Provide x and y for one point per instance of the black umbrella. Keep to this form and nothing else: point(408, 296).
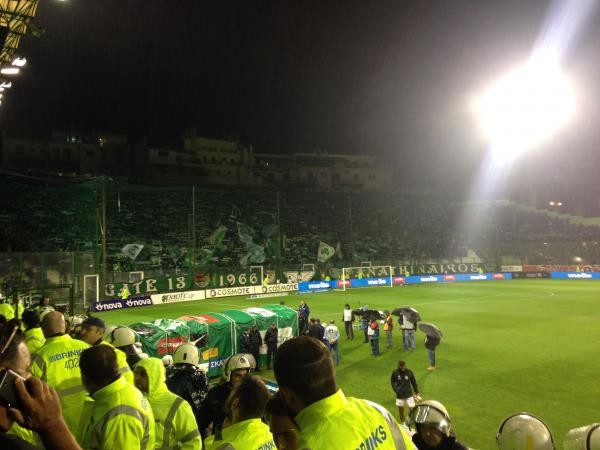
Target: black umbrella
point(430, 330)
point(369, 314)
point(410, 313)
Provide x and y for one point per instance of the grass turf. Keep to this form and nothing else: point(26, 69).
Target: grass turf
point(508, 346)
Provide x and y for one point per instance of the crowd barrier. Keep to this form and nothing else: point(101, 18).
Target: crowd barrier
point(326, 285)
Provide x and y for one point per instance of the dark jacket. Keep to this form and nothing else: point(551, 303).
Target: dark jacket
point(317, 331)
point(304, 311)
point(212, 409)
point(190, 383)
point(271, 337)
point(448, 443)
point(432, 342)
point(245, 346)
point(255, 341)
point(404, 383)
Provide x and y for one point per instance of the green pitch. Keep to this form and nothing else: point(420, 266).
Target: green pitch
point(508, 346)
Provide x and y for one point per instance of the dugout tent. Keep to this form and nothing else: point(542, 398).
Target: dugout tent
point(217, 344)
point(217, 335)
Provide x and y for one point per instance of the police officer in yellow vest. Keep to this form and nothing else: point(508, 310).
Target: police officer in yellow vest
point(57, 363)
point(92, 332)
point(243, 429)
point(326, 417)
point(124, 293)
point(119, 417)
point(34, 336)
point(6, 309)
point(176, 425)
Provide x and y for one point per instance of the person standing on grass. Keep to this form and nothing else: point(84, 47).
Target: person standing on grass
point(373, 332)
point(271, 337)
point(388, 328)
point(404, 385)
point(408, 333)
point(332, 336)
point(431, 342)
point(303, 313)
point(255, 343)
point(364, 325)
point(348, 318)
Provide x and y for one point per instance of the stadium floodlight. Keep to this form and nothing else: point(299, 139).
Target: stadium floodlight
point(6, 85)
point(10, 70)
point(19, 62)
point(551, 203)
point(525, 107)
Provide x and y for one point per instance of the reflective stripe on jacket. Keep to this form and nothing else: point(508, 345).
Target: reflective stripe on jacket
point(250, 434)
point(122, 361)
point(176, 425)
point(338, 422)
point(119, 417)
point(34, 339)
point(57, 363)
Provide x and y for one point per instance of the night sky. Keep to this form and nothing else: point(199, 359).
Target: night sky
point(394, 79)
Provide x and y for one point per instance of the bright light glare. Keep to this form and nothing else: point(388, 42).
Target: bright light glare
point(525, 107)
point(19, 62)
point(10, 70)
point(6, 85)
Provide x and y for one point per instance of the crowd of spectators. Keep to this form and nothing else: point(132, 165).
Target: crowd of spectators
point(285, 228)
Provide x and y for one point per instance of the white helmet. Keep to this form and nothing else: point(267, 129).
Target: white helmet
point(108, 333)
point(45, 310)
point(524, 431)
point(431, 412)
point(583, 438)
point(167, 360)
point(186, 354)
point(240, 361)
point(122, 336)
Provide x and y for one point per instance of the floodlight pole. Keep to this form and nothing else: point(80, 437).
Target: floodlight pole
point(193, 252)
point(103, 229)
point(279, 241)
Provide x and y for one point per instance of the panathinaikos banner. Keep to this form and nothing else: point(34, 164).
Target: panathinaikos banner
point(449, 268)
point(217, 335)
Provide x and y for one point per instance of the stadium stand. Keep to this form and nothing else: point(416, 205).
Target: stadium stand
point(55, 216)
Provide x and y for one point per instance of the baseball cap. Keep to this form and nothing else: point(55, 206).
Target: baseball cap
point(93, 322)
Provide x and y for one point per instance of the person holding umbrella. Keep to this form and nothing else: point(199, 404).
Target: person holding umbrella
point(407, 318)
point(373, 333)
point(432, 340)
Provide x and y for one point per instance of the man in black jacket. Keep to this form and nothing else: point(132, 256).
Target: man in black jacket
point(245, 341)
point(431, 342)
point(316, 330)
point(271, 337)
point(255, 343)
point(405, 386)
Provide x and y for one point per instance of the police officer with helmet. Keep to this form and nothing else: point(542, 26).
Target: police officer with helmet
point(235, 368)
point(524, 431)
point(186, 379)
point(123, 338)
point(434, 428)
